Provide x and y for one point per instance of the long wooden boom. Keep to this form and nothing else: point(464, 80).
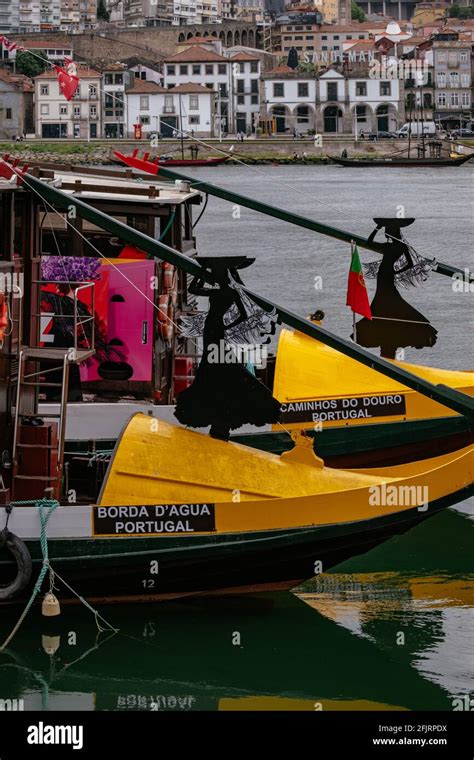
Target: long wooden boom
point(275, 211)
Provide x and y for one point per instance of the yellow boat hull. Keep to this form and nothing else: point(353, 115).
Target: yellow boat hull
point(249, 490)
point(320, 386)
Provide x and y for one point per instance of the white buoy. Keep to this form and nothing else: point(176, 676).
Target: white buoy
point(50, 606)
point(51, 644)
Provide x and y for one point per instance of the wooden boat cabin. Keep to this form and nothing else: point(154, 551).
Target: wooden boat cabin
point(56, 271)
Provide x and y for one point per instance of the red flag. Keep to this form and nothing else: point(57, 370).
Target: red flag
point(68, 83)
point(10, 46)
point(357, 297)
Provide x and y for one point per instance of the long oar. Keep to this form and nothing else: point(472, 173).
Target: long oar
point(277, 213)
point(455, 400)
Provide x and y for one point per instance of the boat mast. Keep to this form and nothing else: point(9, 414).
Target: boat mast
point(412, 94)
point(181, 127)
point(453, 399)
point(422, 111)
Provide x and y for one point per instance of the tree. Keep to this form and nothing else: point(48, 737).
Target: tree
point(102, 11)
point(31, 65)
point(459, 11)
point(356, 12)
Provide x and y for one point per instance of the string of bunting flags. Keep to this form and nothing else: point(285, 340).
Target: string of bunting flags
point(67, 78)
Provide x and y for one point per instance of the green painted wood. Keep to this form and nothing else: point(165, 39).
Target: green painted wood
point(356, 439)
point(76, 554)
point(292, 218)
point(455, 400)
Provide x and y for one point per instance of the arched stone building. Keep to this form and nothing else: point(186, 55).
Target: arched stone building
point(230, 33)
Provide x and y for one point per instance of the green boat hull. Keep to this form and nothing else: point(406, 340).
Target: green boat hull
point(375, 445)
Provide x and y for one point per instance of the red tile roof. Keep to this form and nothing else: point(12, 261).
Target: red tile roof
point(282, 69)
point(190, 87)
point(359, 43)
point(115, 67)
point(20, 81)
point(43, 45)
point(414, 41)
point(195, 55)
point(244, 57)
point(361, 46)
point(140, 86)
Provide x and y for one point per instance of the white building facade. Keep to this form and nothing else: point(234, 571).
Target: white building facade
point(195, 12)
point(81, 117)
point(158, 110)
point(245, 81)
point(375, 104)
point(207, 69)
point(30, 16)
point(298, 102)
point(290, 100)
point(115, 80)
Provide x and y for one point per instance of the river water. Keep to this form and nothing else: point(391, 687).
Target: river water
point(392, 629)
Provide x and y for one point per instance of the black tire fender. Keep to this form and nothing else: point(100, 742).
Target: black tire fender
point(22, 557)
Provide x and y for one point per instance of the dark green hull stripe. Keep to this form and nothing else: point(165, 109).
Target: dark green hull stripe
point(121, 567)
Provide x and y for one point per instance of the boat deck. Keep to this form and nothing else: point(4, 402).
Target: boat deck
point(122, 189)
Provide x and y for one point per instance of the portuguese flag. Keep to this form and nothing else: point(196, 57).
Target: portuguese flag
point(357, 297)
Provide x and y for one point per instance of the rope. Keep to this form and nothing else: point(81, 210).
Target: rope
point(97, 615)
point(411, 321)
point(49, 505)
point(46, 507)
point(213, 147)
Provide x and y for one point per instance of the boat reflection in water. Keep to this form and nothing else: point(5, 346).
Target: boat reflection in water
point(272, 651)
point(424, 621)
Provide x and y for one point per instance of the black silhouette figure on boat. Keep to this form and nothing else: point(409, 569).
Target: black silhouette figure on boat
point(225, 393)
point(395, 323)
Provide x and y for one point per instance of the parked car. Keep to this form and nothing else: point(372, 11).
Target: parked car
point(457, 133)
point(381, 135)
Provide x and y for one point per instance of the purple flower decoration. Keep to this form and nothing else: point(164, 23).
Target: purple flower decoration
point(70, 268)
